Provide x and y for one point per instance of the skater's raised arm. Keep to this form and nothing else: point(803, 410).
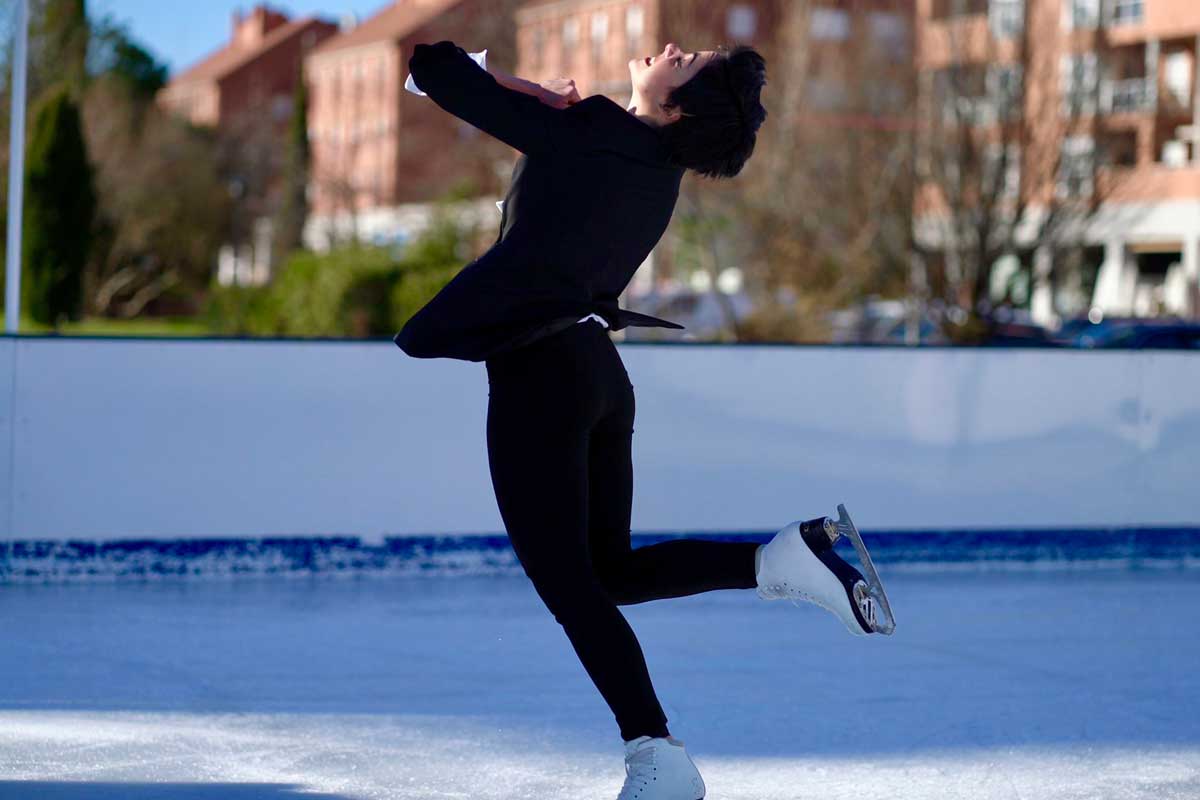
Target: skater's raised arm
point(556, 93)
point(512, 113)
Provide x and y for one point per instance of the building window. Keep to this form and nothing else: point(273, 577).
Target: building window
point(977, 94)
point(1004, 89)
point(1118, 149)
point(281, 107)
point(1076, 167)
point(829, 24)
point(1079, 81)
point(599, 28)
point(1006, 17)
point(570, 32)
point(1010, 154)
point(1177, 79)
point(635, 26)
point(741, 22)
point(537, 46)
point(1081, 13)
point(944, 9)
point(960, 93)
point(1128, 95)
point(1175, 153)
point(599, 34)
point(826, 93)
point(889, 31)
point(1127, 12)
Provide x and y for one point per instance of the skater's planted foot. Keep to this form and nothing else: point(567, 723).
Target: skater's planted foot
point(799, 564)
point(659, 768)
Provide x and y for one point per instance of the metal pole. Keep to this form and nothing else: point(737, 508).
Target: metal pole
point(16, 172)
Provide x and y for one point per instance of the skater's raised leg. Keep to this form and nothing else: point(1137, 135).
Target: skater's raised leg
point(652, 572)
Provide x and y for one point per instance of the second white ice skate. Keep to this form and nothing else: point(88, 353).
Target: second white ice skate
point(799, 563)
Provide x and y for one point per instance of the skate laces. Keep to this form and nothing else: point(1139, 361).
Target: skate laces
point(802, 595)
point(640, 758)
point(638, 765)
point(785, 589)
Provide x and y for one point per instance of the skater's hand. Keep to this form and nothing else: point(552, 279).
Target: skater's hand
point(559, 92)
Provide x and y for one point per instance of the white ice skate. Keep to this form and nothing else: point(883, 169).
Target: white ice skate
point(658, 768)
point(799, 563)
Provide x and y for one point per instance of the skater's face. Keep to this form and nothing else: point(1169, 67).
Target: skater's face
point(654, 77)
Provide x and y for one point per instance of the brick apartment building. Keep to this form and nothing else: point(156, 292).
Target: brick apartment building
point(1128, 70)
point(379, 153)
point(249, 81)
point(255, 73)
point(592, 41)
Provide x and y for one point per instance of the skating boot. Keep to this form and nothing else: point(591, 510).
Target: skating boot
point(658, 768)
point(799, 563)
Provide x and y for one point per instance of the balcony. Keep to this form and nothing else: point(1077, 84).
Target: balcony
point(1128, 95)
point(1126, 12)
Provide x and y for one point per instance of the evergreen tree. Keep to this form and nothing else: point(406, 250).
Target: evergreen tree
point(293, 212)
point(60, 204)
point(59, 34)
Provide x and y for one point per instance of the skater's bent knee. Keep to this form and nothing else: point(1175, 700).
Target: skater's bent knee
point(574, 600)
point(617, 585)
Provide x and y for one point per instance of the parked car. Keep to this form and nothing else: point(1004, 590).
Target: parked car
point(703, 314)
point(1130, 332)
point(1154, 335)
point(878, 321)
point(1020, 334)
point(1083, 332)
point(895, 331)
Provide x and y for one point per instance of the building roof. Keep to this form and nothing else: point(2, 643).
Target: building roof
point(231, 57)
point(395, 21)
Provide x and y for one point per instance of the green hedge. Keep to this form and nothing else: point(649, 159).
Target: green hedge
point(357, 291)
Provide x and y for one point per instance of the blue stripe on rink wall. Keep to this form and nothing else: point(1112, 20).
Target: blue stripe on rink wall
point(1122, 549)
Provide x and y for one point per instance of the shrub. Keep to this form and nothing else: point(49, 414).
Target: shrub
point(357, 291)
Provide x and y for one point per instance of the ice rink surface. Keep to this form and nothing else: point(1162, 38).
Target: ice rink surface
point(1020, 685)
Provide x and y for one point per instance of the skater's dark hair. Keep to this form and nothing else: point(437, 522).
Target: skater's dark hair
point(721, 113)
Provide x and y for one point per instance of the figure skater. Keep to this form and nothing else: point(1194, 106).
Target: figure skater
point(591, 194)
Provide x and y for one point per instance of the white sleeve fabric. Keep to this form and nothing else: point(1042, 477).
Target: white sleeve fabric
point(480, 58)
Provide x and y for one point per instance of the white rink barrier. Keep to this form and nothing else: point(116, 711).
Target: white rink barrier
point(114, 438)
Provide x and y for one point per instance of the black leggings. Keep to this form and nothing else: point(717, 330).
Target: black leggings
point(559, 430)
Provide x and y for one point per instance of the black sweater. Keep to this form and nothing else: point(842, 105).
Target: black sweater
point(591, 194)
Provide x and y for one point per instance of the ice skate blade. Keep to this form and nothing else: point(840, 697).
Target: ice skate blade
point(872, 599)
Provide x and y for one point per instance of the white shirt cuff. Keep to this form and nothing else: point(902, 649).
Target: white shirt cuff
point(480, 59)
